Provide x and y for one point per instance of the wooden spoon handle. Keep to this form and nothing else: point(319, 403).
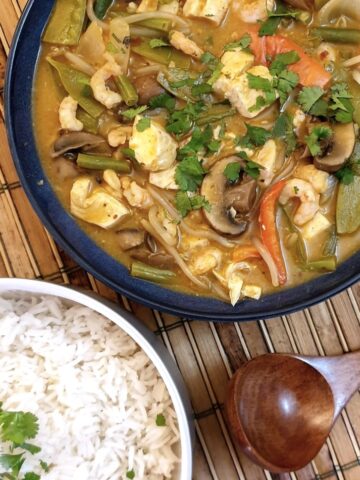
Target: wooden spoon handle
point(342, 372)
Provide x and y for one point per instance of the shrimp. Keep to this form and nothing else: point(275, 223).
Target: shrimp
point(136, 195)
point(67, 115)
point(308, 197)
point(180, 42)
point(101, 91)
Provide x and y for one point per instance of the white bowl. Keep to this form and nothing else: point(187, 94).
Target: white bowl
point(145, 339)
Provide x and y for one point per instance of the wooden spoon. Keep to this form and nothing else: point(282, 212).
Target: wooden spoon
point(281, 407)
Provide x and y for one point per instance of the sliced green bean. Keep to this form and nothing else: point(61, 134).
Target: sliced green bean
point(145, 272)
point(101, 7)
point(90, 123)
point(348, 207)
point(163, 55)
point(328, 263)
point(215, 113)
point(337, 35)
point(77, 84)
point(66, 22)
point(162, 24)
point(127, 90)
point(97, 162)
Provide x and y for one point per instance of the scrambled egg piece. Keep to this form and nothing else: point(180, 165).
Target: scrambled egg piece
point(252, 11)
point(165, 178)
point(101, 91)
point(238, 92)
point(95, 205)
point(180, 42)
point(234, 62)
point(252, 291)
point(315, 226)
point(67, 115)
point(318, 178)
point(213, 10)
point(154, 148)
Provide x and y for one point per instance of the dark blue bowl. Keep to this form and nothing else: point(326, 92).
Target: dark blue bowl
point(18, 98)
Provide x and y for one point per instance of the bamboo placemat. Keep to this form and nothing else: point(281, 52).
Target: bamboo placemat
point(206, 353)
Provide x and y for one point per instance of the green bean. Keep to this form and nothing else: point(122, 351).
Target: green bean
point(96, 162)
point(127, 90)
point(215, 113)
point(90, 123)
point(337, 35)
point(162, 24)
point(77, 84)
point(163, 55)
point(145, 272)
point(328, 263)
point(66, 22)
point(101, 7)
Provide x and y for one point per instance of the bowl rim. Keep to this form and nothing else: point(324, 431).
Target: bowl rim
point(97, 261)
point(147, 341)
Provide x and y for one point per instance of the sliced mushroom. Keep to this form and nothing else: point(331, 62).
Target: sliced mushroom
point(73, 141)
point(130, 238)
point(147, 87)
point(341, 148)
point(230, 204)
point(160, 259)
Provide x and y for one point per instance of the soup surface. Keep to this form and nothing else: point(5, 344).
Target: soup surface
point(209, 146)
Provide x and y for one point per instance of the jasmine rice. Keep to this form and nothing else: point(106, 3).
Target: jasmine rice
point(104, 412)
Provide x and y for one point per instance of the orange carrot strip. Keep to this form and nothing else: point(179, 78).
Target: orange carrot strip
point(242, 252)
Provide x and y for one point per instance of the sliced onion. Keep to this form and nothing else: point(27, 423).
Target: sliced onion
point(264, 252)
point(352, 61)
point(139, 17)
point(80, 64)
point(158, 227)
point(148, 70)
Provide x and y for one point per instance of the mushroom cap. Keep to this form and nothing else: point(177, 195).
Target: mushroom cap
point(74, 140)
point(214, 189)
point(343, 143)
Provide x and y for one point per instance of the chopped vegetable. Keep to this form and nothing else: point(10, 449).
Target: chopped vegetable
point(96, 162)
point(348, 207)
point(145, 272)
point(340, 104)
point(130, 474)
point(328, 264)
point(255, 137)
point(268, 229)
point(189, 174)
point(160, 420)
point(77, 84)
point(101, 7)
point(127, 90)
point(243, 43)
point(143, 124)
point(66, 22)
point(308, 97)
point(337, 35)
point(283, 129)
point(158, 42)
point(314, 140)
point(131, 113)
point(163, 100)
point(244, 252)
point(163, 55)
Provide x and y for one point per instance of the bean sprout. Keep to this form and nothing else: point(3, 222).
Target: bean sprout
point(268, 260)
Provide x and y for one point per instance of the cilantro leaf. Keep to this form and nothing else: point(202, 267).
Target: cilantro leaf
point(160, 420)
point(243, 43)
point(12, 462)
point(130, 474)
point(316, 137)
point(44, 466)
point(319, 109)
point(209, 59)
point(257, 135)
point(18, 426)
point(345, 175)
point(252, 169)
point(285, 83)
point(185, 203)
point(189, 174)
point(181, 121)
point(164, 100)
point(259, 83)
point(143, 124)
point(283, 129)
point(131, 113)
point(269, 26)
point(282, 60)
point(157, 42)
point(30, 448)
point(31, 476)
point(232, 171)
point(201, 89)
point(340, 103)
point(309, 96)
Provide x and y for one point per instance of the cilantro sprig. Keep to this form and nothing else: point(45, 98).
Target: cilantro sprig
point(16, 428)
point(317, 139)
point(186, 203)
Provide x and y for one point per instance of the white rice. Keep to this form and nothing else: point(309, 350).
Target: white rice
point(95, 392)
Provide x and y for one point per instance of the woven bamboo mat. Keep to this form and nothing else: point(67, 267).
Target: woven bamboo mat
point(206, 353)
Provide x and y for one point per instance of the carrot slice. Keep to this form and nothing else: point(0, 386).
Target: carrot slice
point(310, 71)
point(268, 230)
point(242, 252)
